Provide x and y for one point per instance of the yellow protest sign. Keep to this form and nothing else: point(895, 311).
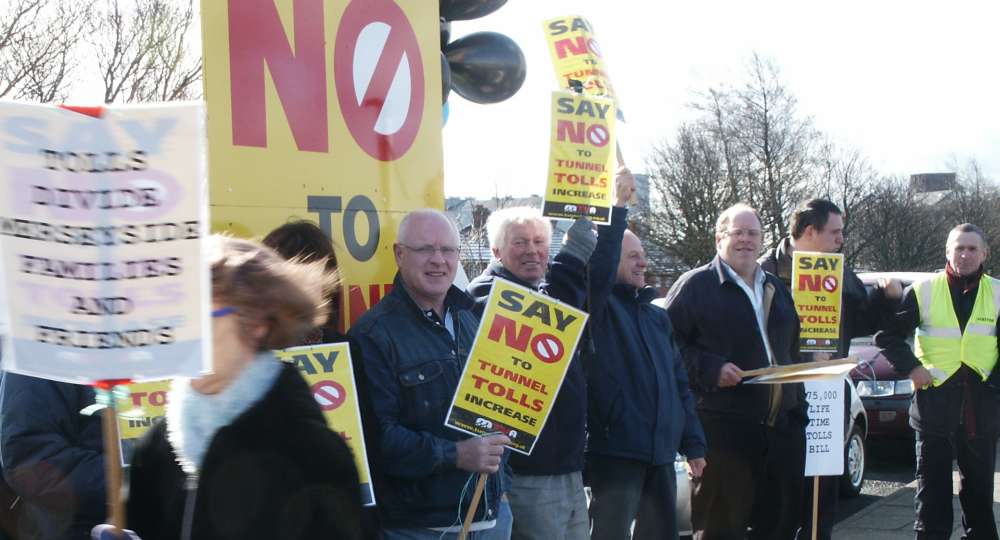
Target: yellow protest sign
point(522, 350)
point(577, 56)
point(817, 280)
point(330, 374)
point(145, 403)
point(327, 110)
point(581, 158)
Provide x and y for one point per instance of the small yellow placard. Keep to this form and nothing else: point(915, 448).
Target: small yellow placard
point(581, 158)
point(329, 372)
point(519, 359)
point(576, 55)
point(817, 281)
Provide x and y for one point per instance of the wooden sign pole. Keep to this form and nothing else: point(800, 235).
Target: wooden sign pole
point(472, 507)
point(112, 463)
point(815, 510)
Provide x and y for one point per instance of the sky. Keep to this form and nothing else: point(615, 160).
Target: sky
point(912, 85)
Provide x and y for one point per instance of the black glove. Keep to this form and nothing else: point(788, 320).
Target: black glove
point(580, 240)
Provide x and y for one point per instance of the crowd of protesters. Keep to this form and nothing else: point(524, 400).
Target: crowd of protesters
point(244, 451)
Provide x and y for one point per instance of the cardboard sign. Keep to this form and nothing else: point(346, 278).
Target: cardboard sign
point(817, 282)
point(102, 215)
point(518, 361)
point(577, 56)
point(330, 374)
point(825, 432)
point(145, 403)
point(326, 110)
point(581, 158)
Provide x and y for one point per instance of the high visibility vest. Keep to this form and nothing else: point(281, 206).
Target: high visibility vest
point(940, 343)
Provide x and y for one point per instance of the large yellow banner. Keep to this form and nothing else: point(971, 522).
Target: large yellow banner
point(817, 280)
point(327, 110)
point(330, 374)
point(522, 350)
point(577, 56)
point(581, 158)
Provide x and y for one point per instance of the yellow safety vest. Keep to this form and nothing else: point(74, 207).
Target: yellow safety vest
point(940, 343)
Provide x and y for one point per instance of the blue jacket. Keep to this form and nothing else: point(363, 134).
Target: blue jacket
point(52, 455)
point(715, 323)
point(411, 366)
point(640, 406)
point(560, 448)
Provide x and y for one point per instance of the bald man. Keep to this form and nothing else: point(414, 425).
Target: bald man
point(412, 347)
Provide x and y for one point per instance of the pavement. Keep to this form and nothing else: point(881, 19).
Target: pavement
point(891, 517)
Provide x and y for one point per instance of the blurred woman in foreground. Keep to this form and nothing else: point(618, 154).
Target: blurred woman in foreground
point(244, 452)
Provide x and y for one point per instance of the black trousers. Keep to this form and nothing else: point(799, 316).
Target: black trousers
point(754, 479)
point(976, 462)
point(623, 490)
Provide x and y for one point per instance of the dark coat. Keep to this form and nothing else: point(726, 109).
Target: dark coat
point(939, 410)
point(411, 368)
point(276, 472)
point(860, 310)
point(52, 456)
point(560, 448)
point(715, 323)
point(640, 404)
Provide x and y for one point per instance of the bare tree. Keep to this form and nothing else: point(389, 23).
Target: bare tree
point(976, 199)
point(143, 51)
point(849, 180)
point(37, 42)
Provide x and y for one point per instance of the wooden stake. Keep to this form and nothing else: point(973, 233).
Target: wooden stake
point(112, 466)
point(815, 507)
point(472, 507)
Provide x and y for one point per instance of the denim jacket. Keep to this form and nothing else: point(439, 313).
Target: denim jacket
point(411, 365)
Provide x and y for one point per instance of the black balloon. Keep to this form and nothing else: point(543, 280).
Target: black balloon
point(445, 32)
point(445, 79)
point(464, 10)
point(486, 67)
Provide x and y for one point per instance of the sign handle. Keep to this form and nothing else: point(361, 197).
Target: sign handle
point(472, 507)
point(112, 462)
point(815, 509)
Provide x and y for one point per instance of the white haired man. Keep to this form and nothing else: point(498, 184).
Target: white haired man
point(546, 496)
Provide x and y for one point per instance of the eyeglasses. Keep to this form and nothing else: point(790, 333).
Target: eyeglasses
point(751, 234)
point(448, 252)
point(222, 312)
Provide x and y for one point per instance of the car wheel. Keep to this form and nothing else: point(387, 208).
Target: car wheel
point(854, 464)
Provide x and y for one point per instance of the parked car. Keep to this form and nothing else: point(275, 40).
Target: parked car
point(885, 393)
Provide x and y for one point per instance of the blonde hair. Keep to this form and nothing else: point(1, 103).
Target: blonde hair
point(289, 296)
point(500, 221)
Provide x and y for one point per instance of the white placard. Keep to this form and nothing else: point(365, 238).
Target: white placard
point(103, 213)
point(825, 432)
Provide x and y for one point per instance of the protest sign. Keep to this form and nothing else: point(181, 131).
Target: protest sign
point(817, 280)
point(328, 111)
point(825, 432)
point(576, 55)
point(140, 409)
point(522, 350)
point(581, 158)
point(806, 371)
point(102, 215)
point(329, 372)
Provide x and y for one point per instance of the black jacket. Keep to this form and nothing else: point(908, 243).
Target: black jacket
point(560, 448)
point(52, 456)
point(277, 471)
point(939, 410)
point(640, 405)
point(859, 314)
point(715, 323)
point(412, 366)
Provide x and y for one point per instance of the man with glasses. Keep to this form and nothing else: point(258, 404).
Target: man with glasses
point(412, 347)
point(730, 316)
point(547, 496)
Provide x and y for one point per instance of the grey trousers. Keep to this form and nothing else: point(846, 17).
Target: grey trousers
point(549, 507)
